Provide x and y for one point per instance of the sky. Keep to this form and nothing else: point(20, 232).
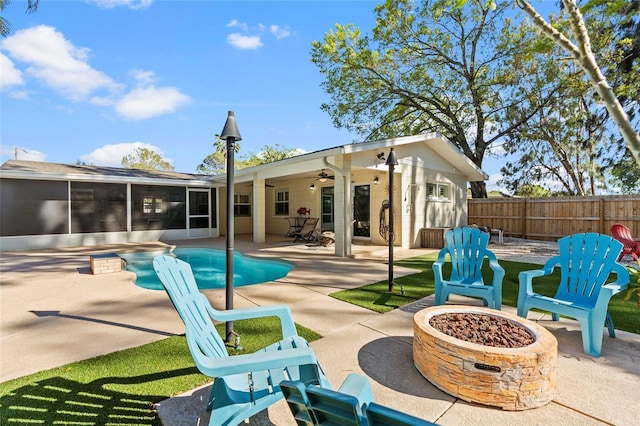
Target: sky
point(92, 80)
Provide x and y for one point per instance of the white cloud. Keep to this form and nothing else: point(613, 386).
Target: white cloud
point(9, 74)
point(244, 42)
point(111, 155)
point(147, 102)
point(278, 32)
point(234, 23)
point(144, 77)
point(57, 63)
point(131, 4)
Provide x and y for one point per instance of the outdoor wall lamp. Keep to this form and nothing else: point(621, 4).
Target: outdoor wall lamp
point(312, 187)
point(376, 180)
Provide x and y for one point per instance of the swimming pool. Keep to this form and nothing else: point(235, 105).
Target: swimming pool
point(209, 267)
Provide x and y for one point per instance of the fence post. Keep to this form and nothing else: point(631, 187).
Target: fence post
point(601, 215)
point(524, 218)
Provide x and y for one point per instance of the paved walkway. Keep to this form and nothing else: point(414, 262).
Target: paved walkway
point(53, 311)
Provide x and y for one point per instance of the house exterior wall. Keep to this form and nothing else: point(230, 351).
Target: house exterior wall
point(44, 213)
point(426, 168)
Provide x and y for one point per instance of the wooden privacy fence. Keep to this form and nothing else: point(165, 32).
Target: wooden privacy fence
point(552, 218)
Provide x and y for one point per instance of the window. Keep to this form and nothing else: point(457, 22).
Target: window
point(242, 204)
point(153, 204)
point(438, 191)
point(158, 207)
point(282, 202)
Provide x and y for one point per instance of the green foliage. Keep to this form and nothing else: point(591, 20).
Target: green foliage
point(530, 190)
point(5, 26)
point(268, 154)
point(427, 67)
point(626, 175)
point(215, 164)
point(145, 159)
point(634, 285)
point(120, 387)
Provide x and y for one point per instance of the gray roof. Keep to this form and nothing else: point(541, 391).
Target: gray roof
point(40, 167)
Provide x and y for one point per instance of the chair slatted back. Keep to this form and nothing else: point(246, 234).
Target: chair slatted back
point(192, 306)
point(296, 396)
point(467, 247)
point(586, 261)
point(329, 407)
point(309, 225)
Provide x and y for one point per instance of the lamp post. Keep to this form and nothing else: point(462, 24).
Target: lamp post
point(392, 161)
point(230, 134)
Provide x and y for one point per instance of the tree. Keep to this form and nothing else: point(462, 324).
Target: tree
point(582, 53)
point(532, 191)
point(5, 26)
point(626, 175)
point(145, 159)
point(567, 144)
point(215, 163)
point(269, 154)
point(429, 67)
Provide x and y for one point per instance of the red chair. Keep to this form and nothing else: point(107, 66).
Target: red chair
point(631, 246)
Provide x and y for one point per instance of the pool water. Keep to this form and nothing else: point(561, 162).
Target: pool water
point(209, 268)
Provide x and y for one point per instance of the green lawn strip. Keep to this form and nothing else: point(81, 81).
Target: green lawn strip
point(376, 297)
point(121, 387)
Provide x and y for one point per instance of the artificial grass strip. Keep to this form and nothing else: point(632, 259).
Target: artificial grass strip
point(376, 297)
point(121, 387)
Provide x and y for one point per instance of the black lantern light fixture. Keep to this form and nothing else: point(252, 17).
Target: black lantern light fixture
point(392, 161)
point(231, 135)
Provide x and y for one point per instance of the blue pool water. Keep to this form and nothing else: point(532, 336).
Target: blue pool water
point(209, 268)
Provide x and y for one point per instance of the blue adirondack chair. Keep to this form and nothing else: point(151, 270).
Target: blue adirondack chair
point(352, 404)
point(243, 384)
point(586, 262)
point(345, 409)
point(467, 249)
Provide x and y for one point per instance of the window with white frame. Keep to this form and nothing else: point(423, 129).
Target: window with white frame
point(242, 204)
point(153, 205)
point(282, 202)
point(438, 191)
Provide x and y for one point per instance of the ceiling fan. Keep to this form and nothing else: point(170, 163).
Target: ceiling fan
point(323, 176)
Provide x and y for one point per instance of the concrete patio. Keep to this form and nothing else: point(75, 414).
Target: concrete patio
point(50, 303)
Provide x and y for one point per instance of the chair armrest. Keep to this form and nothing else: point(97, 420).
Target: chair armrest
point(525, 281)
point(550, 265)
point(622, 280)
point(437, 265)
point(246, 363)
point(498, 270)
point(357, 386)
point(283, 312)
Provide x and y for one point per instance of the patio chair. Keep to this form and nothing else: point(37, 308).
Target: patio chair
point(467, 249)
point(351, 404)
point(243, 384)
point(630, 246)
point(308, 232)
point(586, 262)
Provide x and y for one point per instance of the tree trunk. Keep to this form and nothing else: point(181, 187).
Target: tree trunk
point(478, 189)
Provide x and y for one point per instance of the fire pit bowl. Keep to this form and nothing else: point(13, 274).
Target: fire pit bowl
point(512, 378)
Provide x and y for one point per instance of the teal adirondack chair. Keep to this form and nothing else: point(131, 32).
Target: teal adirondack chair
point(351, 405)
point(467, 250)
point(586, 261)
point(243, 384)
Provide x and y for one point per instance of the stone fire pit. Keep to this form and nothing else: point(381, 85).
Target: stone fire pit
point(505, 377)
